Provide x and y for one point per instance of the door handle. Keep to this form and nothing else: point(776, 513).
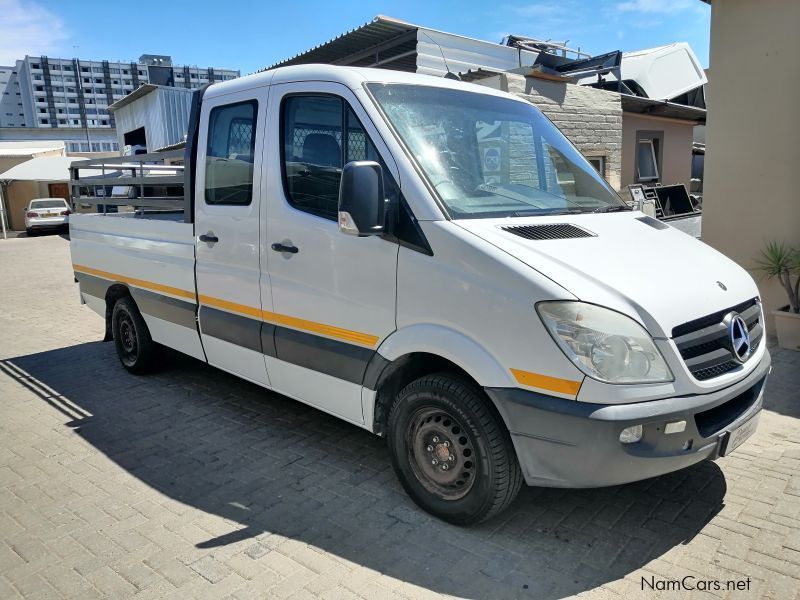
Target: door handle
point(284, 248)
point(209, 238)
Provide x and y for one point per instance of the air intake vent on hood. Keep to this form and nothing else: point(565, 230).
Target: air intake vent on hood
point(550, 231)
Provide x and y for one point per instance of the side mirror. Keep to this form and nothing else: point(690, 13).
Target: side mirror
point(362, 202)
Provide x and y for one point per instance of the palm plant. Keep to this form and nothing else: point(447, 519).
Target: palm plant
point(783, 262)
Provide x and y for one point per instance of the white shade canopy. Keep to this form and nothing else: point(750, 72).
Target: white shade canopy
point(42, 168)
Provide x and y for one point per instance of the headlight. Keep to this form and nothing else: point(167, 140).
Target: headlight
point(604, 344)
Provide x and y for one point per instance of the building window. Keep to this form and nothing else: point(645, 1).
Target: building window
point(36, 66)
point(599, 164)
point(647, 167)
point(229, 154)
point(648, 155)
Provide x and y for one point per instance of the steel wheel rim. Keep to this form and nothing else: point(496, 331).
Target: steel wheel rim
point(128, 340)
point(441, 453)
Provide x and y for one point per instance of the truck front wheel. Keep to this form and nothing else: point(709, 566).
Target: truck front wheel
point(135, 347)
point(451, 451)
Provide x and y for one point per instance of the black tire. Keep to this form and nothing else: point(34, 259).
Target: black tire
point(451, 450)
point(136, 349)
point(29, 232)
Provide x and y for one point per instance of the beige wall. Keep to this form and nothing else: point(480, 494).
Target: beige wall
point(751, 192)
point(676, 154)
point(18, 193)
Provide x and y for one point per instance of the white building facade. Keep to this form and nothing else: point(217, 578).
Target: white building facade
point(70, 97)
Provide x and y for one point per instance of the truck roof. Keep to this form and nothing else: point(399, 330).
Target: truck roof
point(352, 77)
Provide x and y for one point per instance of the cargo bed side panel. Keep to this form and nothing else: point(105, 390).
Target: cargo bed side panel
point(153, 259)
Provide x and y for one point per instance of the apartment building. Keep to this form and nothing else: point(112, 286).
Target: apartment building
point(68, 99)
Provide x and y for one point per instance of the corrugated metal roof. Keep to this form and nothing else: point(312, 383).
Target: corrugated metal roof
point(378, 31)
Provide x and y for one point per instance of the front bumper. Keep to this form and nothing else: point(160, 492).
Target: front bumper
point(565, 443)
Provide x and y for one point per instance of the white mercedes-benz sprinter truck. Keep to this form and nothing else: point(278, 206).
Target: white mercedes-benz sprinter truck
point(435, 262)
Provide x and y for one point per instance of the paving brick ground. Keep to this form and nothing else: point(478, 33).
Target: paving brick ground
point(193, 484)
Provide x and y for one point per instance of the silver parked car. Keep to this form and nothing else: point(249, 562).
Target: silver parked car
point(46, 213)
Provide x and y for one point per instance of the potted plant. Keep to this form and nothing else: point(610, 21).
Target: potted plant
point(782, 262)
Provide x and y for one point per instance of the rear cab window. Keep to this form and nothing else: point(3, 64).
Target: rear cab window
point(230, 153)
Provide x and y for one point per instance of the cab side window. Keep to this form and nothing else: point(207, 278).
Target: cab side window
point(230, 154)
point(320, 134)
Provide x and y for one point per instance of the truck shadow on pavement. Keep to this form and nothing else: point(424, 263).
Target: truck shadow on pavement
point(230, 448)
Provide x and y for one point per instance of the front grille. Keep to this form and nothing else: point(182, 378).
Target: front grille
point(715, 371)
point(704, 344)
point(549, 231)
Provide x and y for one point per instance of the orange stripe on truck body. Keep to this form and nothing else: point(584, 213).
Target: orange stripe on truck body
point(347, 335)
point(140, 283)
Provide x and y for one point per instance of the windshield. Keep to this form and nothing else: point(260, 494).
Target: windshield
point(48, 204)
point(488, 156)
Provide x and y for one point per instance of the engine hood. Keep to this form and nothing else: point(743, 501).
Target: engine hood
point(662, 277)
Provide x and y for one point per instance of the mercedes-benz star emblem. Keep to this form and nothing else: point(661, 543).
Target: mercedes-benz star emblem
point(739, 337)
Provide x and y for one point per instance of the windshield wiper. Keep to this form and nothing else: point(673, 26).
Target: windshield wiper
point(609, 209)
point(546, 212)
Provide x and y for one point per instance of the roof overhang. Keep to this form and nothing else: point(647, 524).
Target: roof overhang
point(346, 48)
point(142, 91)
point(661, 108)
point(41, 168)
point(9, 149)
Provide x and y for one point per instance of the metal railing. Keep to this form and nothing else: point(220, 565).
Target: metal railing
point(141, 181)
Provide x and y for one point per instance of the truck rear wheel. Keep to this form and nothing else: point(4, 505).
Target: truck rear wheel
point(451, 451)
point(136, 349)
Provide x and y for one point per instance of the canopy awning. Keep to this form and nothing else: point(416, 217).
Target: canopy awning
point(42, 168)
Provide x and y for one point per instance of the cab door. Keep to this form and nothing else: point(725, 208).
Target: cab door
point(227, 231)
point(333, 294)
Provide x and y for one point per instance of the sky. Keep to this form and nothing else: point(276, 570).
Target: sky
point(251, 35)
